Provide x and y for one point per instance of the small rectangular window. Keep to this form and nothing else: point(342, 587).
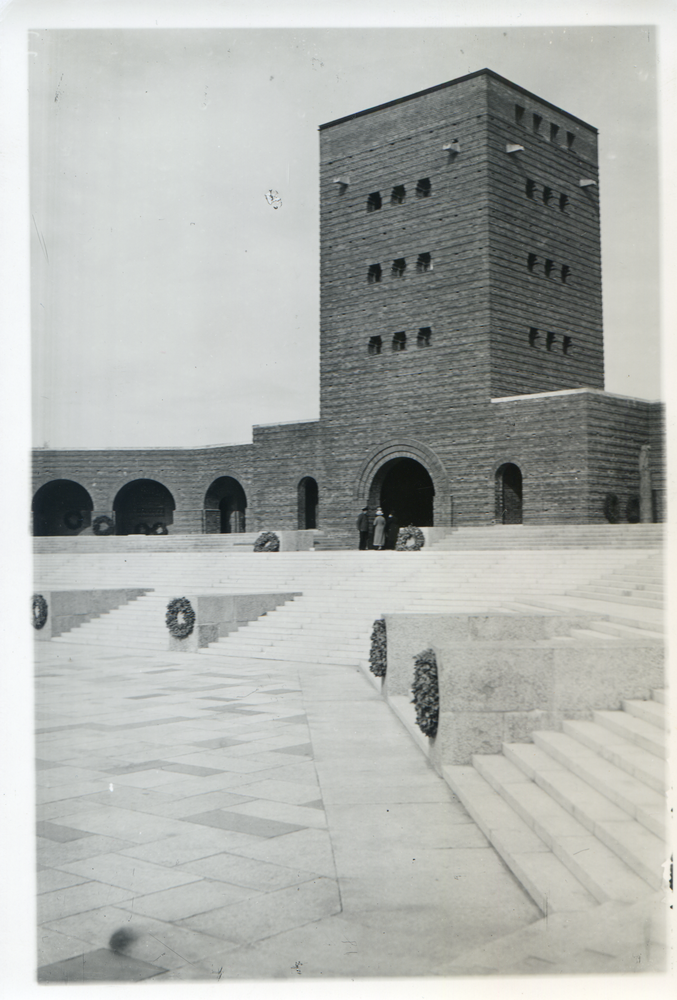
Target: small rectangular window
point(570, 139)
point(533, 336)
point(531, 261)
point(549, 340)
point(536, 123)
point(554, 129)
point(566, 344)
point(399, 341)
point(563, 202)
point(423, 187)
point(530, 188)
point(424, 262)
point(374, 273)
point(374, 201)
point(423, 337)
point(398, 194)
point(547, 195)
point(519, 112)
point(565, 272)
point(374, 345)
point(398, 268)
point(547, 267)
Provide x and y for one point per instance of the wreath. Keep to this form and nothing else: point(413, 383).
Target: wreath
point(73, 520)
point(103, 525)
point(426, 692)
point(267, 541)
point(410, 539)
point(180, 617)
point(39, 611)
point(378, 654)
point(141, 529)
point(612, 508)
point(159, 529)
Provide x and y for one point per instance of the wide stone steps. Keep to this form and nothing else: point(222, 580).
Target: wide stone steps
point(524, 536)
point(578, 816)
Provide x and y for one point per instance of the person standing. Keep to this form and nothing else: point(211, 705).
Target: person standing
point(363, 528)
point(379, 529)
point(392, 530)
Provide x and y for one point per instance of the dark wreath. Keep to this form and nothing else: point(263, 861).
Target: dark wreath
point(267, 541)
point(73, 520)
point(378, 654)
point(180, 617)
point(410, 539)
point(426, 692)
point(103, 525)
point(39, 611)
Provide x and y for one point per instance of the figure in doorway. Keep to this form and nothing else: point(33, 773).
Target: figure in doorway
point(392, 529)
point(379, 529)
point(363, 528)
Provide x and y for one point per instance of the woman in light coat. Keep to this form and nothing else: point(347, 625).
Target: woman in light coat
point(379, 529)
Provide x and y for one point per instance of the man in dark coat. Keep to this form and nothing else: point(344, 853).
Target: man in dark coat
point(363, 528)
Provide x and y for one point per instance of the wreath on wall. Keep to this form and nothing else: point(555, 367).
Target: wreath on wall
point(159, 529)
point(612, 508)
point(73, 520)
point(378, 654)
point(180, 617)
point(103, 525)
point(426, 692)
point(40, 611)
point(410, 539)
point(267, 541)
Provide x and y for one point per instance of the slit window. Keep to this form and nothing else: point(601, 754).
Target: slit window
point(563, 202)
point(565, 272)
point(533, 336)
point(554, 129)
point(398, 194)
point(423, 187)
point(547, 267)
point(374, 345)
point(530, 188)
point(424, 262)
point(374, 201)
point(423, 337)
point(531, 261)
point(549, 340)
point(566, 344)
point(399, 341)
point(519, 112)
point(570, 139)
point(547, 195)
point(536, 123)
point(374, 273)
point(398, 268)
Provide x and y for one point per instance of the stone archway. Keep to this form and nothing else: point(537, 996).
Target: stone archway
point(425, 479)
point(403, 488)
point(62, 507)
point(143, 507)
point(308, 502)
point(508, 493)
point(225, 507)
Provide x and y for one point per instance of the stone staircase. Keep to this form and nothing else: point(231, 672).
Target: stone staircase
point(578, 816)
point(523, 536)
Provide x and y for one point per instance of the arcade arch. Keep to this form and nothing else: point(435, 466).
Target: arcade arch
point(61, 507)
point(408, 477)
point(143, 507)
point(225, 507)
point(308, 502)
point(508, 493)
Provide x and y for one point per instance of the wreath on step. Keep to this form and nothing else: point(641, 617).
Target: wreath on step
point(378, 654)
point(410, 539)
point(40, 611)
point(267, 541)
point(180, 617)
point(73, 520)
point(103, 525)
point(159, 529)
point(426, 692)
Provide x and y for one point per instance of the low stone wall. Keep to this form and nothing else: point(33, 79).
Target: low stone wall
point(66, 609)
point(503, 677)
point(217, 615)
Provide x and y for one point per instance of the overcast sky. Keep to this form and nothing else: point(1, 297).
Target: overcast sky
point(172, 305)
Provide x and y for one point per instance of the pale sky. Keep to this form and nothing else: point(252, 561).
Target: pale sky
point(172, 305)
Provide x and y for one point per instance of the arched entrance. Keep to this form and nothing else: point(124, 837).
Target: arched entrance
point(143, 507)
point(61, 507)
point(403, 487)
point(308, 499)
point(225, 506)
point(508, 494)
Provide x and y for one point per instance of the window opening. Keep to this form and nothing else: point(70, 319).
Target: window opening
point(374, 346)
point(374, 273)
point(563, 202)
point(423, 338)
point(570, 139)
point(399, 341)
point(531, 261)
point(531, 187)
point(423, 187)
point(398, 194)
point(533, 336)
point(566, 271)
point(547, 267)
point(519, 112)
point(566, 344)
point(374, 201)
point(537, 119)
point(547, 195)
point(398, 267)
point(549, 340)
point(554, 129)
point(424, 262)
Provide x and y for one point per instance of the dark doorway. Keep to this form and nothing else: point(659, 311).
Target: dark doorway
point(308, 499)
point(143, 507)
point(509, 494)
point(61, 507)
point(403, 487)
point(225, 507)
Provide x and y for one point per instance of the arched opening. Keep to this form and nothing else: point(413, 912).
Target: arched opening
point(143, 507)
point(308, 499)
point(225, 507)
point(61, 507)
point(508, 494)
point(403, 488)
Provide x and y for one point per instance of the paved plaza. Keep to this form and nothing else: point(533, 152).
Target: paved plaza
point(205, 818)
